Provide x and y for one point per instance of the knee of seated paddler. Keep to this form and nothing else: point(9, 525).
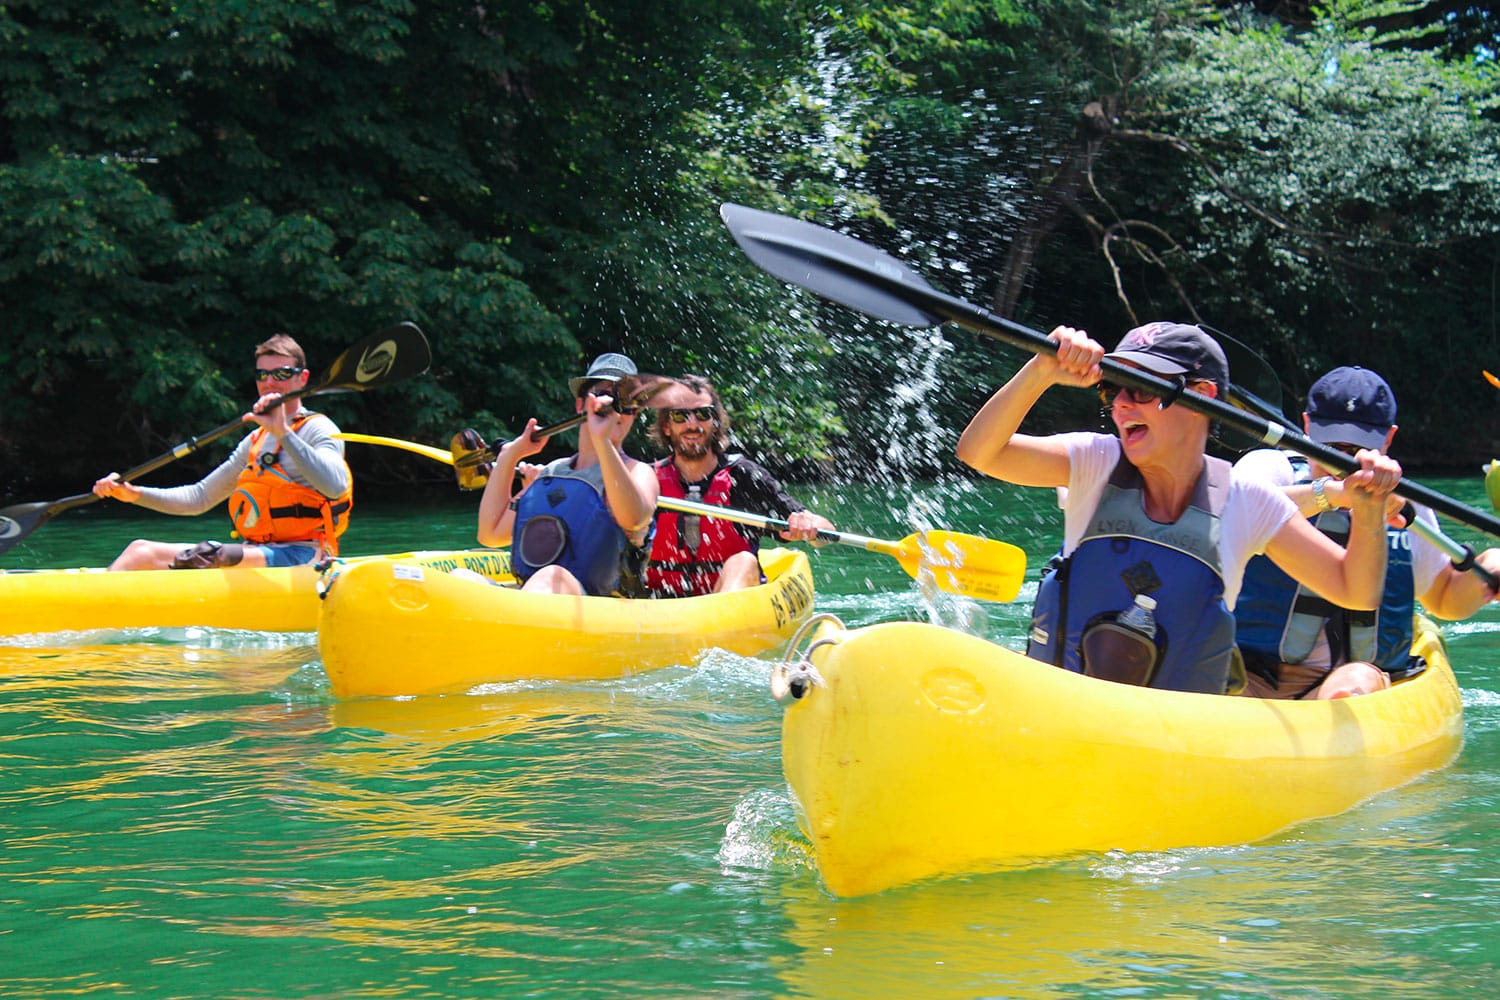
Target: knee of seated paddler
point(1353, 679)
point(209, 555)
point(553, 580)
point(740, 571)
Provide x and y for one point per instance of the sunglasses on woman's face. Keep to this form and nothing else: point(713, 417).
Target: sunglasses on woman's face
point(1140, 397)
point(704, 414)
point(283, 374)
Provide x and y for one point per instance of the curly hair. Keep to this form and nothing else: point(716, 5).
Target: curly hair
point(698, 384)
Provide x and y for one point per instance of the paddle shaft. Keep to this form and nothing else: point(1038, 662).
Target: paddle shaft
point(182, 450)
point(481, 455)
point(847, 271)
point(425, 450)
point(775, 523)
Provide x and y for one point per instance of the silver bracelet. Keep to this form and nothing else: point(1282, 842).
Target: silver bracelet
point(1319, 497)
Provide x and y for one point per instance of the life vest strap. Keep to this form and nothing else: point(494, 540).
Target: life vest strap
point(302, 510)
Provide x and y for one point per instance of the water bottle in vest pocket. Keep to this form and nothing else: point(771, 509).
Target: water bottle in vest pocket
point(1122, 647)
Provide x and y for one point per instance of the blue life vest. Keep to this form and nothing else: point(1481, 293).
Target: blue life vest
point(563, 520)
point(1279, 620)
point(1124, 553)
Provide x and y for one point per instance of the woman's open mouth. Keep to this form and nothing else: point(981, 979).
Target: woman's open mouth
point(1133, 432)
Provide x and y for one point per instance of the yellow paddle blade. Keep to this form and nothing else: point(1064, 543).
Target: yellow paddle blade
point(1492, 380)
point(966, 565)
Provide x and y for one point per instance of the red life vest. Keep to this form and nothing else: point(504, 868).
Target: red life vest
point(676, 569)
point(268, 506)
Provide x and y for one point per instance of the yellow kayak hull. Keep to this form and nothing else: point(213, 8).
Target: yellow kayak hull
point(388, 629)
point(283, 599)
point(923, 751)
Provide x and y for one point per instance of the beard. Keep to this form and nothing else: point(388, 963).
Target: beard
point(692, 449)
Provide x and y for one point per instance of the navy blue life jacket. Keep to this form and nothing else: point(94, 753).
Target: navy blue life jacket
point(563, 520)
point(1124, 553)
point(1279, 620)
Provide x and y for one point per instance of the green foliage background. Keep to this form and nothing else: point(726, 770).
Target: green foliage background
point(538, 182)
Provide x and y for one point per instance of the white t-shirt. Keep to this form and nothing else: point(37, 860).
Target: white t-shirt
point(1252, 515)
point(1275, 467)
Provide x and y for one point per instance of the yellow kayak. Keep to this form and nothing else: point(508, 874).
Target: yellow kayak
point(917, 751)
point(283, 599)
point(396, 629)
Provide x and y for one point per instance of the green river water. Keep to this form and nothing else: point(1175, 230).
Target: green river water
point(190, 813)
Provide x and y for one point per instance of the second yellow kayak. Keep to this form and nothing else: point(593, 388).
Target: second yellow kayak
point(396, 629)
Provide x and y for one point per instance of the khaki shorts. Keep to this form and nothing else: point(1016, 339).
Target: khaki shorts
point(1298, 680)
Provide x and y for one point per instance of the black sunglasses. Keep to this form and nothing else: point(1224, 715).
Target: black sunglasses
point(608, 389)
point(705, 414)
point(283, 374)
point(1140, 397)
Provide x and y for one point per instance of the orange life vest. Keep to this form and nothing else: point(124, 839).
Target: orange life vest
point(268, 506)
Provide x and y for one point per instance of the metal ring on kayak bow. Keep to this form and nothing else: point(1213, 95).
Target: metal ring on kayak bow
point(793, 680)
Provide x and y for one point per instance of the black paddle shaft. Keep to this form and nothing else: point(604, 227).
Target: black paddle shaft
point(844, 270)
point(388, 355)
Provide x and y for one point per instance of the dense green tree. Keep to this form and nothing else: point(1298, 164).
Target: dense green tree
point(1321, 193)
point(536, 183)
point(177, 181)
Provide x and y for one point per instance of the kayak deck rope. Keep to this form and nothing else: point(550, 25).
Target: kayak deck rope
point(795, 676)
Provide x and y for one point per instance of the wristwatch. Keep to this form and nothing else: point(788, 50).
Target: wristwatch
point(1319, 496)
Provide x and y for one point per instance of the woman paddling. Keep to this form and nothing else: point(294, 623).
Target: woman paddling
point(1149, 513)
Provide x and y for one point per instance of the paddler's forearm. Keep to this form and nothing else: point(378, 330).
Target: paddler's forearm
point(990, 443)
point(496, 519)
point(632, 511)
point(202, 496)
point(1365, 557)
point(1456, 593)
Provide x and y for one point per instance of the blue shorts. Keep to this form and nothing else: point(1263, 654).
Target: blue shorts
point(289, 553)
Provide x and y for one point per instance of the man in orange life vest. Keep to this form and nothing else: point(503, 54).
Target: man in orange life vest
point(693, 555)
point(288, 486)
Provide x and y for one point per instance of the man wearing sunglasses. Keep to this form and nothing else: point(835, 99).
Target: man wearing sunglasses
point(1297, 644)
point(581, 524)
point(1149, 513)
point(288, 487)
point(691, 554)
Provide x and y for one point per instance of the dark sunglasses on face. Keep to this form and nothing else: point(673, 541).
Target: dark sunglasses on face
point(284, 374)
point(608, 389)
point(1140, 397)
point(1348, 449)
point(705, 414)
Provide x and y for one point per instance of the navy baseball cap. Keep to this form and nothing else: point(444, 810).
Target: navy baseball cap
point(606, 368)
point(1351, 405)
point(1168, 349)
